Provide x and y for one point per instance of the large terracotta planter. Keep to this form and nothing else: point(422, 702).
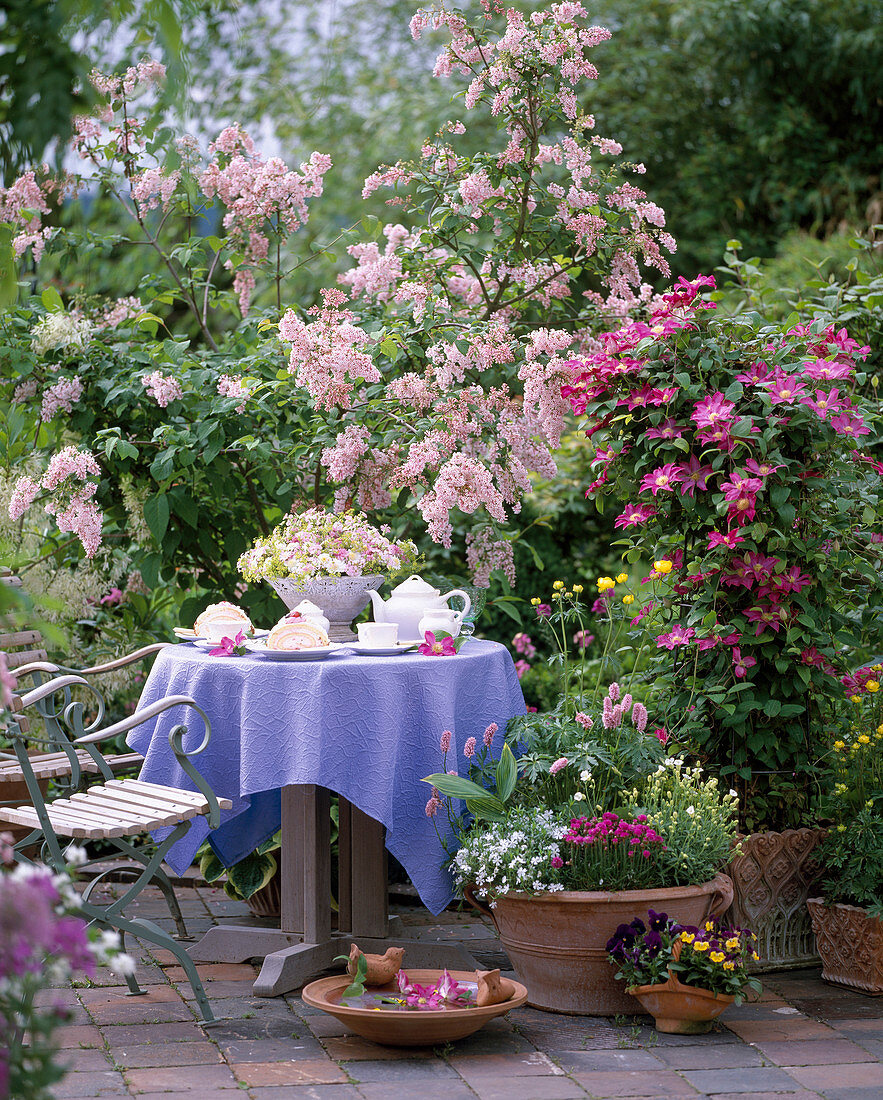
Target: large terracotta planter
point(850, 944)
point(267, 902)
point(558, 942)
point(772, 878)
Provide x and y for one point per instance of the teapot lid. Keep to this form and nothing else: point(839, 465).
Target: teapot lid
point(414, 586)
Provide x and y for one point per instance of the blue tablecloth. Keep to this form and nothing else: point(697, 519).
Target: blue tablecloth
point(367, 728)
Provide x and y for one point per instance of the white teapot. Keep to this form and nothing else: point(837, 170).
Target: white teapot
point(408, 603)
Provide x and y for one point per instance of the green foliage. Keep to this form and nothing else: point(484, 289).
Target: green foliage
point(852, 854)
point(246, 877)
point(753, 117)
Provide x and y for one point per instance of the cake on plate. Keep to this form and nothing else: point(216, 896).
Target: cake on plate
point(223, 612)
point(296, 634)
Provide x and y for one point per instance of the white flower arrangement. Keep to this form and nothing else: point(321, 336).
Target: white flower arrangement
point(512, 855)
point(315, 543)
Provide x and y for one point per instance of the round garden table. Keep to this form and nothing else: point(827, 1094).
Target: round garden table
point(284, 733)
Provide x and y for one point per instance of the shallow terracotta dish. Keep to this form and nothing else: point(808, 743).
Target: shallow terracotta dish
point(407, 1029)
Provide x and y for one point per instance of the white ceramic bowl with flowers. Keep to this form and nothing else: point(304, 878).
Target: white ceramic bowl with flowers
point(334, 559)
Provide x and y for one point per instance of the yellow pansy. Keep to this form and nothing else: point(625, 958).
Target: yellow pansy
point(622, 578)
point(700, 945)
point(663, 566)
point(729, 966)
point(688, 937)
point(755, 956)
point(709, 927)
point(717, 956)
point(732, 944)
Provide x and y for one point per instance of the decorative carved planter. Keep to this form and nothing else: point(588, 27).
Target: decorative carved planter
point(341, 599)
point(850, 944)
point(558, 942)
point(772, 878)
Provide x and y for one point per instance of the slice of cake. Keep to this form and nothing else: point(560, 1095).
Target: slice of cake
point(223, 612)
point(296, 634)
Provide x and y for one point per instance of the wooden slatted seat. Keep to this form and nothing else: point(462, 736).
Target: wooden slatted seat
point(51, 765)
point(121, 808)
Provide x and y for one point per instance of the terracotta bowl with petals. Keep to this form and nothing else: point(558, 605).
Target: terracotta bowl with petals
point(408, 1029)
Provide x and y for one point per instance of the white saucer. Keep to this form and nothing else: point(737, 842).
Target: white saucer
point(366, 650)
point(187, 634)
point(318, 653)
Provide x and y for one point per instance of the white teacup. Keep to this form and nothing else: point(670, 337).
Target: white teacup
point(214, 632)
point(379, 635)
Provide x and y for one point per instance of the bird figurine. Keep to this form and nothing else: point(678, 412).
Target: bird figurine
point(492, 989)
point(381, 968)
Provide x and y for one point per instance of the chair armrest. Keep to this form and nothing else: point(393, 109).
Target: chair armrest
point(35, 695)
point(34, 666)
point(137, 719)
point(121, 662)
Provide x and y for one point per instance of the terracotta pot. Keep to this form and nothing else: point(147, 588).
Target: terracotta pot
point(772, 878)
point(557, 943)
point(681, 1009)
point(850, 944)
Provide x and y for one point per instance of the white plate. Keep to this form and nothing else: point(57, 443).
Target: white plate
point(365, 650)
point(187, 634)
point(316, 654)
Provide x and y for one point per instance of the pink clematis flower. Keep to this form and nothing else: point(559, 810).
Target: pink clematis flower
point(785, 390)
point(230, 647)
point(430, 647)
point(849, 424)
point(729, 538)
point(712, 411)
point(762, 469)
point(662, 479)
point(741, 664)
point(692, 475)
point(678, 635)
point(667, 429)
point(634, 515)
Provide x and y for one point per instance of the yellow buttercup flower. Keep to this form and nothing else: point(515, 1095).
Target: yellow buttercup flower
point(872, 686)
point(577, 588)
point(628, 599)
point(855, 698)
point(700, 945)
point(557, 585)
point(622, 578)
point(880, 729)
point(535, 601)
point(864, 739)
point(663, 566)
point(604, 583)
point(717, 956)
point(839, 745)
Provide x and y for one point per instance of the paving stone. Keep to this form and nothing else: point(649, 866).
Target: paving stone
point(874, 1047)
point(798, 1029)
point(528, 1088)
point(218, 991)
point(408, 1073)
point(174, 1032)
point(193, 1079)
point(207, 1094)
point(428, 1090)
point(142, 1055)
point(353, 1048)
point(91, 1059)
point(216, 972)
point(271, 1050)
point(634, 1084)
point(78, 1035)
point(140, 1010)
point(477, 1067)
point(801, 1095)
point(581, 1061)
point(119, 995)
point(742, 1079)
point(813, 1052)
point(306, 1092)
point(829, 1078)
point(497, 1037)
point(311, 1071)
point(90, 1085)
point(257, 1028)
point(713, 1057)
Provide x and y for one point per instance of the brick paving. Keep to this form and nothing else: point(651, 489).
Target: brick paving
point(801, 1040)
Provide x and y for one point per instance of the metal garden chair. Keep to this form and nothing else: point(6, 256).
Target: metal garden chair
point(113, 811)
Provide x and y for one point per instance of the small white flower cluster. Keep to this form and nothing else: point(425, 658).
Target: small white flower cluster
point(316, 543)
point(60, 330)
point(513, 855)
